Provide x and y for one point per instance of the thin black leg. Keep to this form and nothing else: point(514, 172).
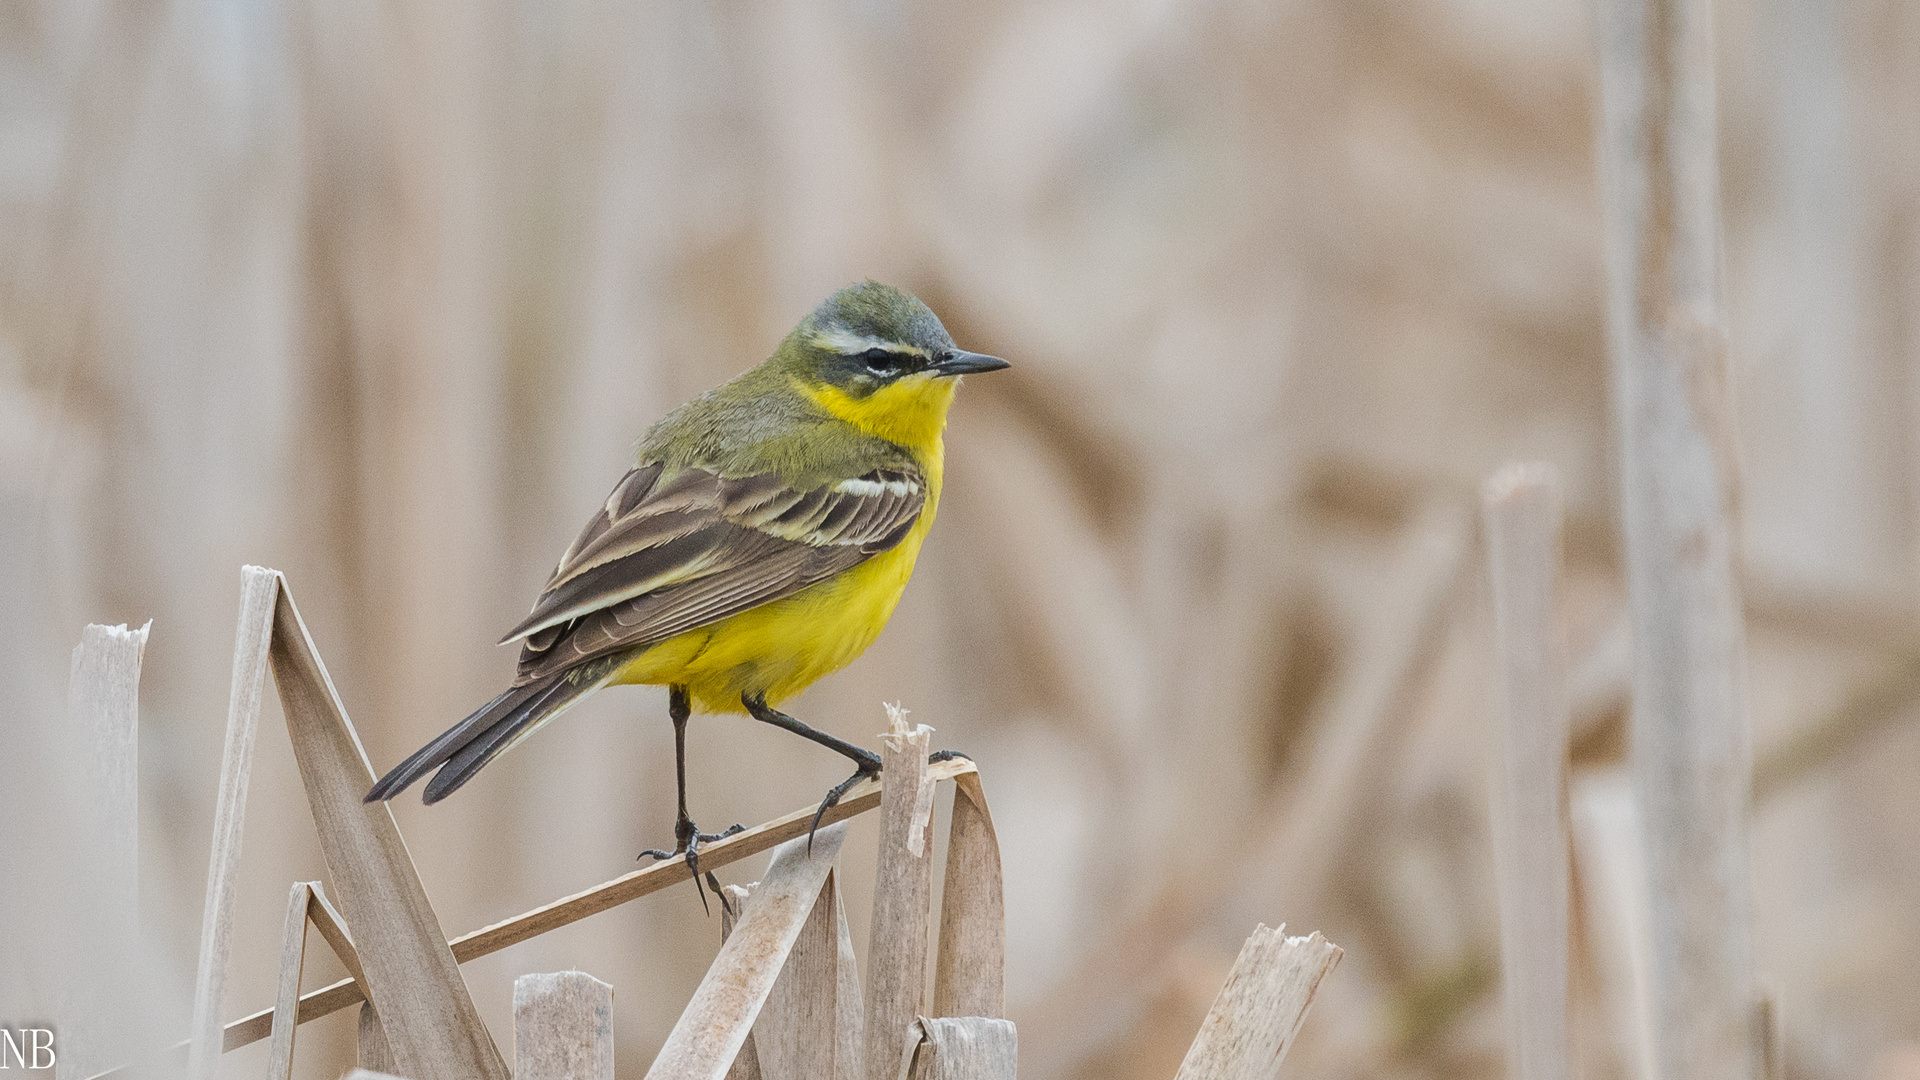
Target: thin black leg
point(866, 761)
point(687, 837)
point(758, 708)
point(679, 709)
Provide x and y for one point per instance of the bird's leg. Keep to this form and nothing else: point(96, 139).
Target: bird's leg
point(687, 837)
point(867, 762)
point(757, 707)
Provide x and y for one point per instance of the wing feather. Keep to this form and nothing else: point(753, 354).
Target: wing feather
point(668, 553)
point(626, 495)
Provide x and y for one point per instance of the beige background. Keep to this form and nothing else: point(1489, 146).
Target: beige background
point(381, 293)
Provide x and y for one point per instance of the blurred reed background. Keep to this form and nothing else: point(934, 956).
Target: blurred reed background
point(380, 293)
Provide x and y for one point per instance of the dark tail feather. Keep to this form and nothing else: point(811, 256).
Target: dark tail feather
point(451, 741)
point(549, 700)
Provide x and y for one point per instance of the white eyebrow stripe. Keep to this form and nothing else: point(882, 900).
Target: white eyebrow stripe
point(842, 340)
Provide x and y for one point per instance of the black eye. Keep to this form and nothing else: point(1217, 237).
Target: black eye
point(884, 362)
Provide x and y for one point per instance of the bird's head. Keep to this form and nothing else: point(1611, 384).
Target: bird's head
point(878, 358)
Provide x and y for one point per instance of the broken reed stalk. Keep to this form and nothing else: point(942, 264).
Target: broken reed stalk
point(711, 1031)
point(970, 977)
point(488, 940)
point(307, 903)
point(104, 896)
point(733, 904)
point(796, 1033)
point(259, 589)
point(1692, 758)
point(562, 1027)
point(286, 999)
point(960, 1048)
point(1521, 511)
point(417, 1018)
point(103, 712)
point(850, 1044)
point(424, 1010)
point(1257, 1014)
point(103, 708)
point(902, 895)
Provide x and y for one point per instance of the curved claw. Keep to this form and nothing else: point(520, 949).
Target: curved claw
point(833, 798)
point(693, 870)
point(690, 838)
point(939, 756)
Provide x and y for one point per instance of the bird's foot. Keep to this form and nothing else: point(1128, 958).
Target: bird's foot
point(939, 756)
point(867, 768)
point(687, 840)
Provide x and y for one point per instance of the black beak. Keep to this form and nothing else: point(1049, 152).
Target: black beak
point(968, 363)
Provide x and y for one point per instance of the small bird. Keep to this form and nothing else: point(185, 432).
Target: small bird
point(760, 542)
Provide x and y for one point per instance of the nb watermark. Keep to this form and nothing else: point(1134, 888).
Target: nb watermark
point(26, 1048)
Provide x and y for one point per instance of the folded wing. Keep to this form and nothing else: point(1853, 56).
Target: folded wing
point(668, 553)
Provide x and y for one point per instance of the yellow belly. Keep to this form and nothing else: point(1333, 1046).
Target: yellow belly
point(779, 649)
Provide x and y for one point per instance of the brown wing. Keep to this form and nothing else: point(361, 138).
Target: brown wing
point(664, 556)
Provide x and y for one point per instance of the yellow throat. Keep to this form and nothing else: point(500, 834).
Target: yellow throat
point(911, 412)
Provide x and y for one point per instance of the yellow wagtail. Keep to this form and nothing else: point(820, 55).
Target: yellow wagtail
point(760, 543)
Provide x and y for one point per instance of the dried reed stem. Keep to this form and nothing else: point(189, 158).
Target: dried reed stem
point(1521, 505)
point(970, 976)
point(432, 1029)
point(902, 898)
point(562, 1027)
point(1258, 1012)
point(286, 1000)
point(960, 1048)
point(103, 710)
point(1692, 756)
point(709, 1035)
point(733, 904)
point(259, 588)
point(797, 1032)
point(570, 909)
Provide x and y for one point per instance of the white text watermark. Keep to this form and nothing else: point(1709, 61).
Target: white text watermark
point(26, 1048)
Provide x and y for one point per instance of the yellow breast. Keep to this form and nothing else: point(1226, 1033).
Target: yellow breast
point(780, 648)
